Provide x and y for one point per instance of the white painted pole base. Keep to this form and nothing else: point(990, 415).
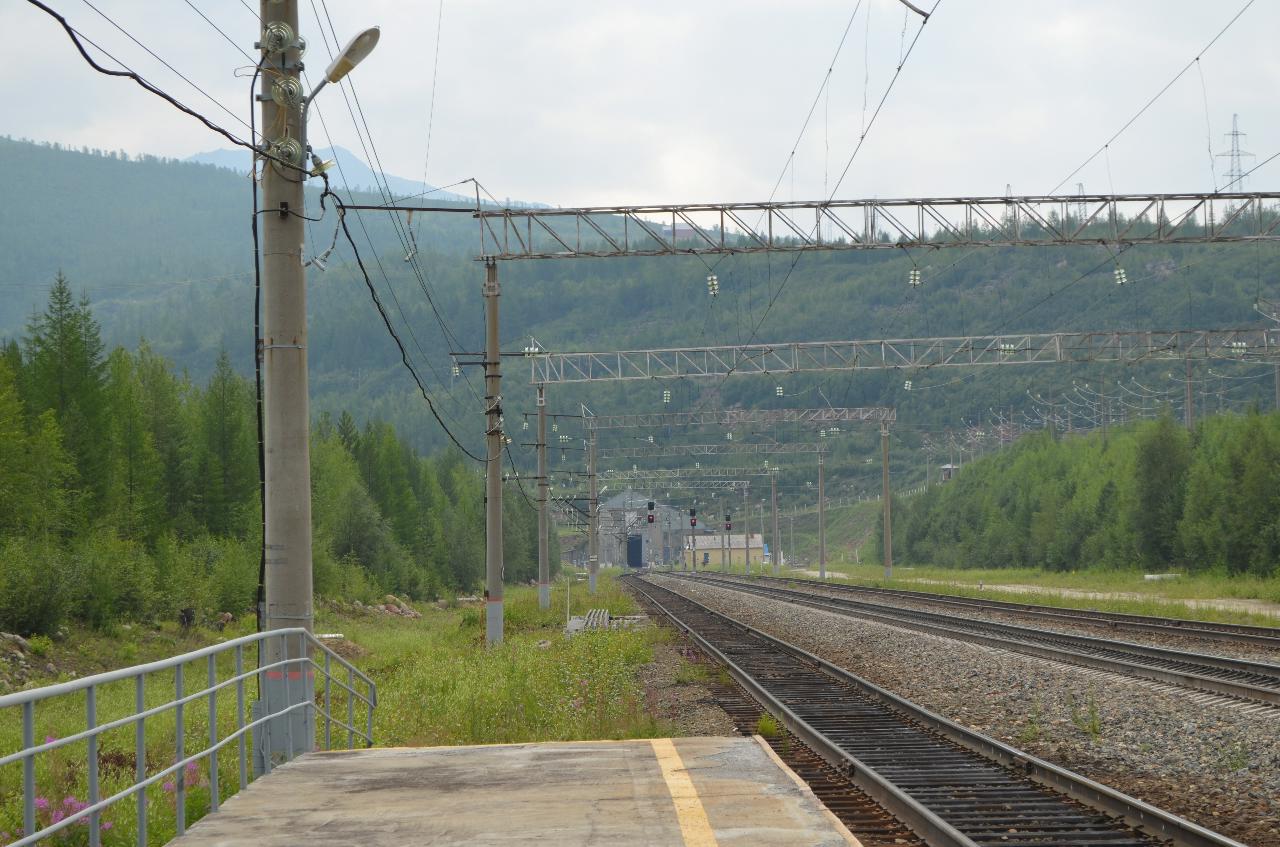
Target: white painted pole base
point(493, 622)
point(544, 596)
point(591, 583)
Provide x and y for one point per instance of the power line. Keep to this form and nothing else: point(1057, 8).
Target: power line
point(1157, 96)
point(386, 320)
point(154, 55)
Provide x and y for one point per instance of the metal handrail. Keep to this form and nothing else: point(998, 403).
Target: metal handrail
point(277, 717)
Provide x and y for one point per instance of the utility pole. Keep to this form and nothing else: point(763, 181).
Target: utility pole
point(791, 539)
point(283, 352)
point(746, 529)
point(822, 525)
point(493, 458)
point(762, 538)
point(1188, 403)
point(888, 500)
point(777, 546)
point(287, 582)
point(593, 519)
point(544, 542)
point(725, 538)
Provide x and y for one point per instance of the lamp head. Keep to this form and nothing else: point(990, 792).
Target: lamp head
point(354, 53)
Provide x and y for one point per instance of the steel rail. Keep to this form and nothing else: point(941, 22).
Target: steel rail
point(952, 784)
point(1256, 681)
point(1210, 630)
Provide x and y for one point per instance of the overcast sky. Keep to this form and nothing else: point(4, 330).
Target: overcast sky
point(602, 102)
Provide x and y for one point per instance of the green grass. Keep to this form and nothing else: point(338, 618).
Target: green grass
point(767, 726)
point(437, 685)
point(1165, 598)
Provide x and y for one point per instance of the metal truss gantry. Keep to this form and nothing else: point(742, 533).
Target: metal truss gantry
point(655, 474)
point(959, 351)
point(730, 418)
point(687, 485)
point(934, 222)
point(759, 448)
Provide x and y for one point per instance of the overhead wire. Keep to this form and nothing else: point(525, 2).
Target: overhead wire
point(1157, 96)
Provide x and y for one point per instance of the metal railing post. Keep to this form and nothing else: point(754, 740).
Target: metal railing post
point(244, 765)
point(91, 718)
point(180, 782)
point(214, 789)
point(140, 753)
point(351, 710)
point(29, 769)
point(328, 706)
point(288, 695)
point(368, 710)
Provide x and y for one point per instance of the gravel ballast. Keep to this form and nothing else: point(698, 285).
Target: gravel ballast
point(1208, 761)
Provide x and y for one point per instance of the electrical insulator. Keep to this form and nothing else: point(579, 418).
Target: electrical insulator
point(524, 424)
point(913, 278)
point(457, 371)
point(666, 395)
point(1121, 276)
point(650, 439)
point(555, 427)
point(777, 390)
point(906, 386)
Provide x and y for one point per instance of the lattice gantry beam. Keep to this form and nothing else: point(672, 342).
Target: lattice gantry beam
point(655, 474)
point(692, 485)
point(758, 448)
point(730, 418)
point(722, 228)
point(909, 353)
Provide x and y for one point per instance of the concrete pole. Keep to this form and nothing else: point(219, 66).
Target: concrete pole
point(1278, 386)
point(822, 525)
point(593, 522)
point(762, 538)
point(544, 525)
point(724, 540)
point(1188, 411)
point(746, 528)
point(888, 500)
point(493, 459)
point(286, 406)
point(777, 544)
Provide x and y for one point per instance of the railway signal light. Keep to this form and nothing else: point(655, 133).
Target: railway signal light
point(728, 523)
point(693, 518)
point(651, 518)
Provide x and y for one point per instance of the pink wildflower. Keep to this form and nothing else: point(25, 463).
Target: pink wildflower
point(42, 802)
point(107, 825)
point(49, 739)
point(58, 815)
point(168, 786)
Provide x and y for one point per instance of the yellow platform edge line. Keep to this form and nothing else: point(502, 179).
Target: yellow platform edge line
point(695, 828)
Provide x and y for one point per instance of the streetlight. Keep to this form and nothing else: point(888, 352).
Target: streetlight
point(353, 54)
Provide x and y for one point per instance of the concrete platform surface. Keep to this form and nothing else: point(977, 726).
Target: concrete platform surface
point(684, 791)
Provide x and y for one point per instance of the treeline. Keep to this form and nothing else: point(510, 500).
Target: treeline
point(1150, 495)
point(129, 492)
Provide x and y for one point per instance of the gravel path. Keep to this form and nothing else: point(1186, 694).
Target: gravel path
point(1188, 643)
point(1209, 762)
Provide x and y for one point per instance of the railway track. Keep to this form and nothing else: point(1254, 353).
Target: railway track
point(1209, 630)
point(951, 786)
point(1237, 678)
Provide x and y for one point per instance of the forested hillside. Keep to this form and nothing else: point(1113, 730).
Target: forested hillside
point(129, 491)
point(1151, 495)
point(163, 250)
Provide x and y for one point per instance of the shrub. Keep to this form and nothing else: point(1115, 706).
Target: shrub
point(33, 597)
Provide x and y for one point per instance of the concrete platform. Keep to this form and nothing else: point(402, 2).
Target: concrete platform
point(683, 791)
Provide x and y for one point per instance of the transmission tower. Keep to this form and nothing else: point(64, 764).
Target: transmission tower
point(1235, 170)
